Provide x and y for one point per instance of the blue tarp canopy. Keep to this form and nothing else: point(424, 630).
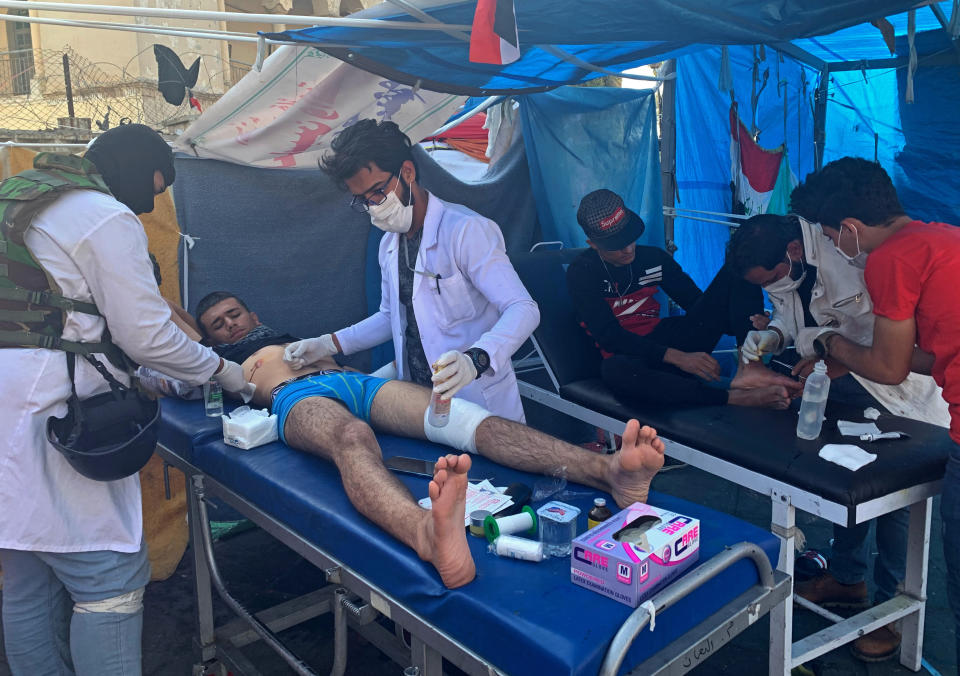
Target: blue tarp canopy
point(809, 45)
point(609, 34)
point(865, 115)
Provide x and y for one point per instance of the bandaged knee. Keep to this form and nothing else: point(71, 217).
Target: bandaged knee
point(125, 604)
point(461, 429)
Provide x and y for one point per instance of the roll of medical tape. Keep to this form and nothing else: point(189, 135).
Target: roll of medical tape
point(526, 521)
point(518, 548)
point(477, 520)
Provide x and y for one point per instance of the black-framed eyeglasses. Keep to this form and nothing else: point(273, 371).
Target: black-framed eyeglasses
point(377, 197)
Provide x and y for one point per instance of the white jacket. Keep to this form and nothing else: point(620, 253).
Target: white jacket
point(477, 301)
point(96, 250)
point(839, 300)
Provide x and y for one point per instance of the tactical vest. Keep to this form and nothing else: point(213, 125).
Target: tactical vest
point(32, 307)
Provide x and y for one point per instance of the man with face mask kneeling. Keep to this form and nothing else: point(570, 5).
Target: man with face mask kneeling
point(450, 299)
point(817, 290)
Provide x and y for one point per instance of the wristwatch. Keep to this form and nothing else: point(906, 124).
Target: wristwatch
point(821, 344)
point(480, 359)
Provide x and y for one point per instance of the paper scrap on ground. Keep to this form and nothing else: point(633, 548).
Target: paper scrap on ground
point(483, 495)
point(847, 455)
point(871, 413)
point(854, 429)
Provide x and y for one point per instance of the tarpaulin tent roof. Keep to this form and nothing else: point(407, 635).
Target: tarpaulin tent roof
point(610, 34)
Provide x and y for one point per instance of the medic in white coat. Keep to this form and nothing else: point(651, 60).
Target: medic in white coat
point(471, 308)
point(838, 302)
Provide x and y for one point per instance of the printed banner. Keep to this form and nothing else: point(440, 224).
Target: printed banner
point(286, 115)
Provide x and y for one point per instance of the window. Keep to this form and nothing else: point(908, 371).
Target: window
point(19, 59)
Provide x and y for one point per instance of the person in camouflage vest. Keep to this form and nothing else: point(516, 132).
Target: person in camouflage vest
point(76, 279)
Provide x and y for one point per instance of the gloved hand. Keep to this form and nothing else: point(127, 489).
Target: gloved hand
point(309, 350)
point(456, 372)
point(231, 379)
point(759, 343)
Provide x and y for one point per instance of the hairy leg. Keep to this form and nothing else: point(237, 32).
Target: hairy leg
point(626, 474)
point(325, 428)
point(398, 408)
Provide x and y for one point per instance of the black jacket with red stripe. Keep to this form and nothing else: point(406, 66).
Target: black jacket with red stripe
point(618, 308)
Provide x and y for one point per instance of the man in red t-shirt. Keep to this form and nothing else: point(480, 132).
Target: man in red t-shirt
point(912, 273)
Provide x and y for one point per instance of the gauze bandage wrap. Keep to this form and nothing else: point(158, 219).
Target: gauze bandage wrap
point(126, 604)
point(460, 432)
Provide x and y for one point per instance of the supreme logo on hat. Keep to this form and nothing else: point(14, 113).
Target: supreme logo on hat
point(611, 220)
point(606, 220)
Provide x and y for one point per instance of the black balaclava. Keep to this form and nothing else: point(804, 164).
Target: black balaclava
point(127, 157)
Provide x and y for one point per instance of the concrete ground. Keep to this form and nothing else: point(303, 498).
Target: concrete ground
point(261, 573)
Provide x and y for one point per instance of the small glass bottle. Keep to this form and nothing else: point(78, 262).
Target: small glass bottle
point(439, 414)
point(814, 402)
point(212, 399)
point(599, 513)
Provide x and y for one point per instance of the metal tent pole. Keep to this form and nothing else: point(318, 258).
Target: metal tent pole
point(668, 147)
point(820, 117)
point(223, 16)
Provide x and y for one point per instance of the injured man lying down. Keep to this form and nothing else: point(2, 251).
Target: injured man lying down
point(333, 412)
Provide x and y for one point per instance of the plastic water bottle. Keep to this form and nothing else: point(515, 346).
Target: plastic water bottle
point(213, 399)
point(814, 402)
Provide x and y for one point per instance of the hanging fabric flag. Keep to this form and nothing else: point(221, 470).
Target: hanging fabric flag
point(494, 36)
point(761, 179)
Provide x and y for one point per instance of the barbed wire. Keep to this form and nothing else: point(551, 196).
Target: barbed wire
point(33, 91)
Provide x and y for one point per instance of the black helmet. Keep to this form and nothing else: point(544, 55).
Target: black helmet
point(109, 436)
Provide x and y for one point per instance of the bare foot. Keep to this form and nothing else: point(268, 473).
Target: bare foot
point(755, 375)
point(774, 396)
point(447, 546)
point(632, 469)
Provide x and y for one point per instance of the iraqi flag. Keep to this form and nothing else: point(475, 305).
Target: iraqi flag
point(494, 35)
point(762, 178)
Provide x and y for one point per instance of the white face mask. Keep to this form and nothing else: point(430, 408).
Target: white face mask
point(787, 283)
point(858, 261)
point(391, 215)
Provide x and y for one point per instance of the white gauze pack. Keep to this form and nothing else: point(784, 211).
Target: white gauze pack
point(460, 431)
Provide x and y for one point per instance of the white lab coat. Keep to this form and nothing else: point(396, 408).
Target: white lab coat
point(839, 300)
point(96, 250)
point(478, 301)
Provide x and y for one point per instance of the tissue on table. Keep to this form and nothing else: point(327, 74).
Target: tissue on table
point(847, 455)
point(247, 427)
point(855, 429)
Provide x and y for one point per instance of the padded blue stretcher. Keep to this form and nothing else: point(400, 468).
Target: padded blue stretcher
point(521, 617)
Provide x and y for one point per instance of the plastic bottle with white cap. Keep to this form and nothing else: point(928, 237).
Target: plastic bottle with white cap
point(814, 402)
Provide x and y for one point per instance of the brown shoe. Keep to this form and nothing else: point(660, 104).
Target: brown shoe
point(878, 646)
point(825, 591)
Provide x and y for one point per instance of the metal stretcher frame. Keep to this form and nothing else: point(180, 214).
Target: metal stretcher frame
point(785, 653)
point(429, 646)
